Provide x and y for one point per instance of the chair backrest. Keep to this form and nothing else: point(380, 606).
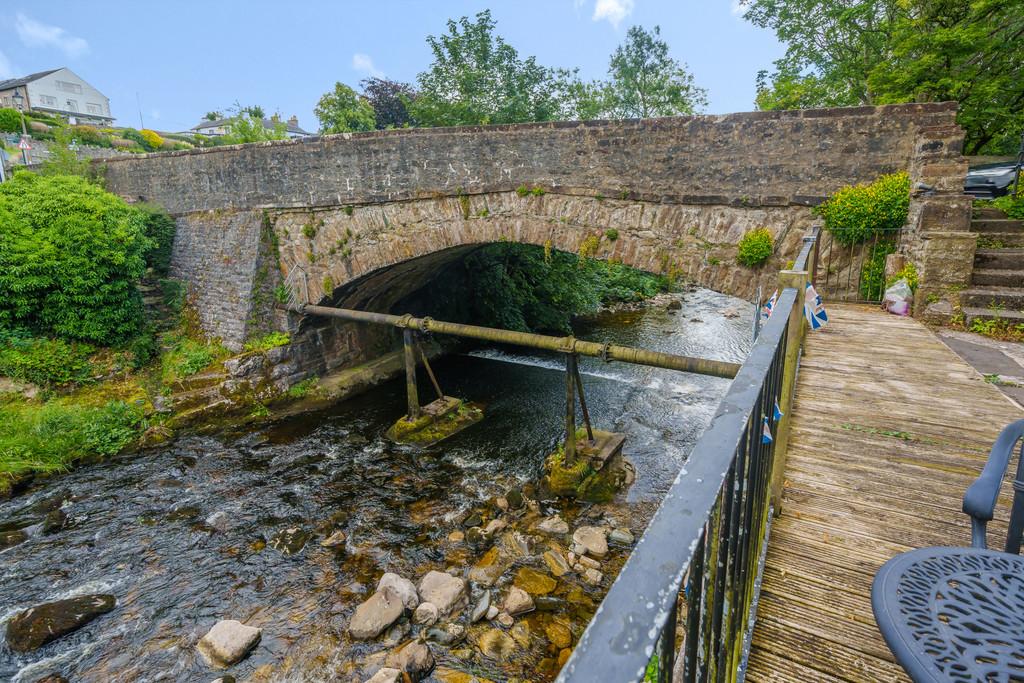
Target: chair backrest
point(980, 498)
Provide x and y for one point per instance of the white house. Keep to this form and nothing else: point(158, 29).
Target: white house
point(59, 92)
point(219, 127)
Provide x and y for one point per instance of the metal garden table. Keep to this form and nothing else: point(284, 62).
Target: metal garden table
point(953, 614)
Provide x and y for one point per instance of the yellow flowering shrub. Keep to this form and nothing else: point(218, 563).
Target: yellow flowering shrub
point(152, 138)
point(856, 213)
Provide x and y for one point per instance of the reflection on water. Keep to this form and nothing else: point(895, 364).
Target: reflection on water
point(183, 535)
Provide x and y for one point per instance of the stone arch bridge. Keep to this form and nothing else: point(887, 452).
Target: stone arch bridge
point(366, 219)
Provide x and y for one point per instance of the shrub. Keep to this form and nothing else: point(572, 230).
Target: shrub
point(159, 229)
point(856, 213)
point(872, 272)
point(10, 120)
point(267, 342)
point(152, 139)
point(908, 273)
point(755, 247)
point(90, 135)
point(1012, 206)
point(70, 254)
point(43, 361)
point(189, 356)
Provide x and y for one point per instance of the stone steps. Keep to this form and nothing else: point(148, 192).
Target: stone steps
point(998, 277)
point(987, 212)
point(1003, 259)
point(984, 225)
point(990, 296)
point(1001, 240)
point(972, 313)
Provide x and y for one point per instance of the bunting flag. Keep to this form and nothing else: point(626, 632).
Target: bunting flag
point(769, 306)
point(766, 432)
point(814, 310)
point(778, 411)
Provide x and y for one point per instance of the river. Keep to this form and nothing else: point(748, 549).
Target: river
point(184, 535)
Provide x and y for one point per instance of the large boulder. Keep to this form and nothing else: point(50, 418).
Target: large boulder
point(41, 624)
point(405, 589)
point(443, 590)
point(228, 642)
point(373, 616)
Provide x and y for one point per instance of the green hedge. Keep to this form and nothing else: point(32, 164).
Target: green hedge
point(43, 361)
point(856, 213)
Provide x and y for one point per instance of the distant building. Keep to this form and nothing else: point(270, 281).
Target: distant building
point(59, 92)
point(219, 127)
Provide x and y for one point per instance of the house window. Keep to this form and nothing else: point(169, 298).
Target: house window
point(94, 108)
point(48, 101)
point(72, 105)
point(69, 87)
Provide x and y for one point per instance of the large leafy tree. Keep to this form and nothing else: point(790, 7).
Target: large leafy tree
point(848, 52)
point(478, 78)
point(390, 101)
point(343, 111)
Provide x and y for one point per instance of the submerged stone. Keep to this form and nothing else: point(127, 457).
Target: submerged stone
point(438, 421)
point(496, 644)
point(593, 539)
point(488, 569)
point(44, 623)
point(375, 615)
point(228, 642)
point(443, 590)
point(289, 541)
point(404, 588)
point(413, 658)
point(534, 582)
point(559, 634)
point(556, 563)
point(518, 601)
point(9, 539)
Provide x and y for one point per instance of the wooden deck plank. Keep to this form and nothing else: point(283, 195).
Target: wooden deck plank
point(889, 428)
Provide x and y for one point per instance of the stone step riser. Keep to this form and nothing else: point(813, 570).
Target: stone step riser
point(998, 278)
point(996, 225)
point(1002, 259)
point(987, 212)
point(1011, 299)
point(1000, 240)
point(971, 314)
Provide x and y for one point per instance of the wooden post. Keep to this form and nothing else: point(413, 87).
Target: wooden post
point(412, 393)
point(796, 279)
point(570, 410)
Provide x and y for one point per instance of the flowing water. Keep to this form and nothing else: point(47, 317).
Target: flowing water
point(184, 535)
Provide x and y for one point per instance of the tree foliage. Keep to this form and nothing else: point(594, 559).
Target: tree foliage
point(70, 254)
point(478, 78)
point(343, 111)
point(390, 102)
point(245, 126)
point(849, 52)
point(10, 120)
point(63, 160)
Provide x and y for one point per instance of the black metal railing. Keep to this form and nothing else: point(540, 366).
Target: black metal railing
point(856, 273)
point(690, 585)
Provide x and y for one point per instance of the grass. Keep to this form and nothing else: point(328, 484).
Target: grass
point(187, 356)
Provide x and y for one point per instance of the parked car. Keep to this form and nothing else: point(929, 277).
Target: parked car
point(989, 181)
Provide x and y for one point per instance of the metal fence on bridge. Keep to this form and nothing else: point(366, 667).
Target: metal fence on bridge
point(683, 606)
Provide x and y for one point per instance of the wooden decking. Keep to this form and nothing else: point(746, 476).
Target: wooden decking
point(889, 429)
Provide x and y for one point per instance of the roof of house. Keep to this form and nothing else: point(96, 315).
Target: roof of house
point(15, 82)
point(267, 123)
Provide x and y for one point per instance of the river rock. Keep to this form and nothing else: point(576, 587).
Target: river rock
point(413, 658)
point(501, 502)
point(475, 536)
point(220, 679)
point(373, 616)
point(289, 541)
point(335, 540)
point(534, 582)
point(481, 607)
point(397, 633)
point(443, 590)
point(41, 624)
point(53, 678)
point(472, 519)
point(593, 539)
point(496, 644)
point(447, 635)
point(549, 603)
point(556, 563)
point(518, 601)
point(593, 577)
point(488, 569)
point(9, 539)
point(495, 526)
point(385, 675)
point(555, 526)
point(405, 589)
point(563, 657)
point(674, 305)
point(456, 537)
point(492, 612)
point(219, 521)
point(516, 544)
point(559, 634)
point(621, 536)
point(426, 614)
point(54, 521)
point(514, 498)
point(505, 620)
point(588, 562)
point(229, 641)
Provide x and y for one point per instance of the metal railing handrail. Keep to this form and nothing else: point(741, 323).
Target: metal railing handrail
point(637, 616)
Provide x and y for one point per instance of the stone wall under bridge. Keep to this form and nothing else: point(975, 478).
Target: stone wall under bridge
point(365, 219)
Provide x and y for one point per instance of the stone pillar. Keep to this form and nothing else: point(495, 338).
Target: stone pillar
point(937, 237)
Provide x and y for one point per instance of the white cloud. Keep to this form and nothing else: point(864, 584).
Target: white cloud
point(37, 34)
point(6, 68)
point(614, 11)
point(737, 8)
point(361, 62)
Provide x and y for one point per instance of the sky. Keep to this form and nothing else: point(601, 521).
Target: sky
point(172, 61)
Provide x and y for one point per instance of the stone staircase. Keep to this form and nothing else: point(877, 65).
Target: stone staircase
point(997, 284)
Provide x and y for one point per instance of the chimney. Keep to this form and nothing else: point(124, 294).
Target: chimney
point(294, 121)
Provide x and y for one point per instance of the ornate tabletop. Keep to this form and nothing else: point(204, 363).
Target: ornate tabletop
point(953, 614)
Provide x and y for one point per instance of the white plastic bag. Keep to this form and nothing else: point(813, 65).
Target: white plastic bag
point(898, 298)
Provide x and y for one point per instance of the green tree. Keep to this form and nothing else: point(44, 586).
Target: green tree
point(213, 115)
point(63, 160)
point(343, 111)
point(645, 81)
point(70, 255)
point(248, 125)
point(478, 78)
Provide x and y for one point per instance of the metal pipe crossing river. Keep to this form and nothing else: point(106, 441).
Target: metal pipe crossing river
point(571, 345)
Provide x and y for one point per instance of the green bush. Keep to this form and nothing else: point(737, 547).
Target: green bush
point(188, 356)
point(10, 120)
point(856, 213)
point(45, 362)
point(159, 229)
point(49, 437)
point(872, 272)
point(70, 255)
point(90, 135)
point(1010, 205)
point(755, 247)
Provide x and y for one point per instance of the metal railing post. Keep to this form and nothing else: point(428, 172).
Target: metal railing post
point(411, 390)
point(788, 279)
